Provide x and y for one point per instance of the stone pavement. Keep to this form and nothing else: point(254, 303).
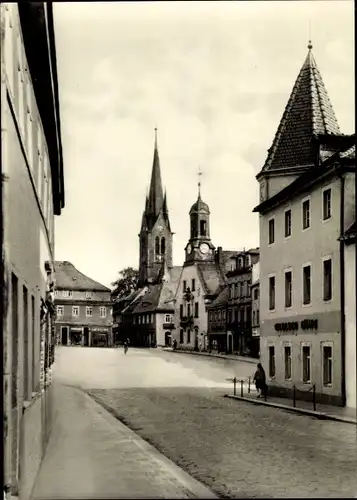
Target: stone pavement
point(327, 412)
point(234, 357)
point(91, 454)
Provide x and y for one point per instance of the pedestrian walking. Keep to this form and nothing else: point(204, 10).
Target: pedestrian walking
point(260, 381)
point(125, 346)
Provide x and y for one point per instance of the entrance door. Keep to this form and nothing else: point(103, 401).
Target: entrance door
point(167, 338)
point(86, 336)
point(64, 335)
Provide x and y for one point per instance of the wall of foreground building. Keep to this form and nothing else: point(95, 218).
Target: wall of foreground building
point(350, 318)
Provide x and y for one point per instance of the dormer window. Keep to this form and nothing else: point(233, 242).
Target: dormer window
point(88, 295)
point(240, 262)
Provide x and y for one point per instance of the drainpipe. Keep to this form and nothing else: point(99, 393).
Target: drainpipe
point(342, 292)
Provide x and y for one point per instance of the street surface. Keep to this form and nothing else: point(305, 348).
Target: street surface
point(174, 401)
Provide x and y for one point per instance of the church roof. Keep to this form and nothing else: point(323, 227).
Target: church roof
point(69, 278)
point(156, 196)
point(308, 114)
point(199, 206)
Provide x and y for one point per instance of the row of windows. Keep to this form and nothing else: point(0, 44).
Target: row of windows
point(327, 362)
point(188, 310)
point(142, 319)
point(193, 285)
point(240, 289)
point(76, 311)
point(241, 263)
point(306, 285)
point(69, 294)
point(29, 122)
point(182, 337)
point(305, 216)
point(236, 315)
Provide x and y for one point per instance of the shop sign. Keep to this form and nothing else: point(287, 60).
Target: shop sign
point(105, 330)
point(305, 324)
point(75, 329)
point(309, 324)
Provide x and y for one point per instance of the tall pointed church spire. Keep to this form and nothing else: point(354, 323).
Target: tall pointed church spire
point(155, 193)
point(308, 114)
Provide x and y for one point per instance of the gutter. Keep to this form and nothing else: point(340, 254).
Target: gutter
point(342, 292)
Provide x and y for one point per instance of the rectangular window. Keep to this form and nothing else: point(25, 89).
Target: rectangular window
point(70, 293)
point(88, 295)
point(181, 310)
point(65, 293)
point(103, 312)
point(181, 336)
point(184, 286)
point(271, 231)
point(188, 336)
point(327, 375)
point(254, 318)
point(272, 293)
point(89, 311)
point(307, 284)
point(256, 294)
point(287, 231)
point(34, 381)
point(188, 310)
point(327, 279)
point(139, 320)
point(15, 338)
point(306, 214)
point(288, 288)
point(75, 310)
point(196, 309)
point(193, 287)
point(258, 317)
point(306, 363)
point(60, 310)
point(326, 204)
point(26, 343)
point(287, 360)
point(249, 288)
point(249, 315)
point(271, 361)
point(167, 318)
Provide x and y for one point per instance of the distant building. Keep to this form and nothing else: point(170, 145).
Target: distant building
point(217, 322)
point(349, 240)
point(307, 202)
point(32, 194)
point(146, 316)
point(255, 307)
point(83, 309)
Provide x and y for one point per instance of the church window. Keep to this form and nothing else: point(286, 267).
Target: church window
point(203, 227)
point(157, 246)
point(163, 246)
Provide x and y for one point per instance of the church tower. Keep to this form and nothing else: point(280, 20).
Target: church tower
point(155, 234)
point(199, 247)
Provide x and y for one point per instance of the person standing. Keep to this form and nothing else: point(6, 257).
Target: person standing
point(260, 381)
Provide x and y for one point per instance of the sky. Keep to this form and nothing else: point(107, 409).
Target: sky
point(214, 78)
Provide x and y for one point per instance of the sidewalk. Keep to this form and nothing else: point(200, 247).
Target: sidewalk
point(234, 357)
point(91, 454)
point(326, 412)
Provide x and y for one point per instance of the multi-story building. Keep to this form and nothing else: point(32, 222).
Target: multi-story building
point(146, 316)
point(349, 239)
point(32, 194)
point(217, 323)
point(201, 280)
point(239, 311)
point(83, 309)
point(255, 308)
point(307, 189)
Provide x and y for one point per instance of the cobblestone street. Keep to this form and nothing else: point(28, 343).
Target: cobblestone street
point(236, 449)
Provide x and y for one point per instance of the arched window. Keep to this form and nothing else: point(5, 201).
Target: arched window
point(157, 246)
point(163, 246)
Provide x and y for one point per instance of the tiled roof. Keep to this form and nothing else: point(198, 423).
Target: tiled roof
point(69, 278)
point(308, 113)
point(211, 277)
point(221, 300)
point(350, 153)
point(350, 233)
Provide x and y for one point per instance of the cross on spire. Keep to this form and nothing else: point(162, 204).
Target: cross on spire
point(155, 137)
point(199, 173)
point(310, 43)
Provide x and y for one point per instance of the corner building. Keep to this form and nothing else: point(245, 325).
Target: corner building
point(32, 194)
point(307, 201)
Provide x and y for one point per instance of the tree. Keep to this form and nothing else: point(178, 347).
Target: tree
point(126, 283)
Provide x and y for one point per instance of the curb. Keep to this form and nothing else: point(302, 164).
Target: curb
point(238, 358)
point(317, 414)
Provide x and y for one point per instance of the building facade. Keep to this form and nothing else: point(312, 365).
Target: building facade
point(307, 195)
point(255, 291)
point(83, 309)
point(32, 194)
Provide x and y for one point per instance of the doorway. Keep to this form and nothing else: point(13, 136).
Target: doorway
point(64, 335)
point(86, 336)
point(167, 339)
point(230, 344)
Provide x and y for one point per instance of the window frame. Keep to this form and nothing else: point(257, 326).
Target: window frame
point(305, 265)
point(287, 271)
point(288, 345)
point(303, 345)
point(287, 210)
point(323, 346)
point(303, 201)
point(87, 311)
point(102, 308)
point(271, 220)
point(324, 190)
point(325, 259)
point(271, 309)
point(193, 285)
point(58, 308)
point(75, 308)
point(271, 376)
point(169, 318)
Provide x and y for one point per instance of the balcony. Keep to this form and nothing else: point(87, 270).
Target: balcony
point(169, 325)
point(186, 321)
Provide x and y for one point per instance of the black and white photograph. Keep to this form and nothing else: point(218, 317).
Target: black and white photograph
point(178, 223)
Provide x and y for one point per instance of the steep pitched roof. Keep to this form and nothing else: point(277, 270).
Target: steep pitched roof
point(156, 196)
point(308, 113)
point(69, 278)
point(221, 299)
point(211, 277)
